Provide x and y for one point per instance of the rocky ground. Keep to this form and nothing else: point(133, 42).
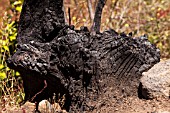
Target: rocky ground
point(124, 105)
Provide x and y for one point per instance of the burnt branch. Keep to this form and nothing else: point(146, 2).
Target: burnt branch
point(45, 86)
point(97, 17)
point(69, 16)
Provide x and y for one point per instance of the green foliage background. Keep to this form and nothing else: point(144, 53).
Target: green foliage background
point(10, 81)
point(150, 17)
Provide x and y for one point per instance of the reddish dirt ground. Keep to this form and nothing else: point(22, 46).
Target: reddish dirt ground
point(124, 105)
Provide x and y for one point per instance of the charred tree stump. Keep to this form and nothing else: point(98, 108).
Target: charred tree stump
point(55, 59)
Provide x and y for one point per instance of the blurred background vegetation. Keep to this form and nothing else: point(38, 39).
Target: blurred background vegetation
point(140, 17)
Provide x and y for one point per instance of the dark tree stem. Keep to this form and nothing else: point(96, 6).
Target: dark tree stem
point(97, 17)
point(69, 16)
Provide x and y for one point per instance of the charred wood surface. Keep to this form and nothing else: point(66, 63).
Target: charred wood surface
point(56, 60)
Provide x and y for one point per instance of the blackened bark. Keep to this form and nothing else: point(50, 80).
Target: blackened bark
point(97, 17)
point(53, 58)
point(38, 20)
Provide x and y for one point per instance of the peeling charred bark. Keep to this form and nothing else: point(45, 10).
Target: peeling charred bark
point(54, 58)
point(39, 19)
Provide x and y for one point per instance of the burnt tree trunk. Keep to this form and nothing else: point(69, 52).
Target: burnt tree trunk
point(55, 59)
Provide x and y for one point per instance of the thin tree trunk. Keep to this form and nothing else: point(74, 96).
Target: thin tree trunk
point(97, 16)
point(90, 9)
